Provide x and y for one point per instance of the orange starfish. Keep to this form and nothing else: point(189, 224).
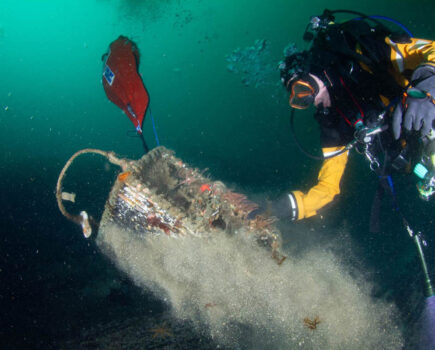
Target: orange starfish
point(161, 331)
point(311, 324)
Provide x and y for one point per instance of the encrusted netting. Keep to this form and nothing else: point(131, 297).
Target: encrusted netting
point(161, 195)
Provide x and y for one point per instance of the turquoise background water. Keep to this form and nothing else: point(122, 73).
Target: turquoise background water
point(52, 104)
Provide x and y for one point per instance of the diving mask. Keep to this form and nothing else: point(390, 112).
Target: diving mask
point(303, 91)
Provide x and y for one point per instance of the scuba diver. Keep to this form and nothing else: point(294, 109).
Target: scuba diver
point(123, 84)
point(373, 90)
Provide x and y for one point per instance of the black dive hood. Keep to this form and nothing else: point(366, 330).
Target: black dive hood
point(315, 61)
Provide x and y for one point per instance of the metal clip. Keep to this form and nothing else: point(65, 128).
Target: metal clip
point(374, 163)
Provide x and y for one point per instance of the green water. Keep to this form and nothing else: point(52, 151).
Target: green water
point(52, 104)
point(50, 54)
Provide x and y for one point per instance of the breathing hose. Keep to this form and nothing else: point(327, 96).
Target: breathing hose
point(301, 148)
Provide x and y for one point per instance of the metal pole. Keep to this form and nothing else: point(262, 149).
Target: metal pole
point(429, 288)
point(417, 240)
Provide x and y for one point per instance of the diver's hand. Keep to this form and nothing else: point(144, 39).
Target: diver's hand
point(420, 112)
point(283, 208)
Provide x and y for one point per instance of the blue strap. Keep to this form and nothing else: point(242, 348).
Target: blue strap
point(393, 192)
point(390, 182)
point(154, 128)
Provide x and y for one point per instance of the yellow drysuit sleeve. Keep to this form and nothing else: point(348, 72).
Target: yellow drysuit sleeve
point(408, 56)
point(327, 188)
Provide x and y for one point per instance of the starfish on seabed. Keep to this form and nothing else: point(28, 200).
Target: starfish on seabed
point(161, 331)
